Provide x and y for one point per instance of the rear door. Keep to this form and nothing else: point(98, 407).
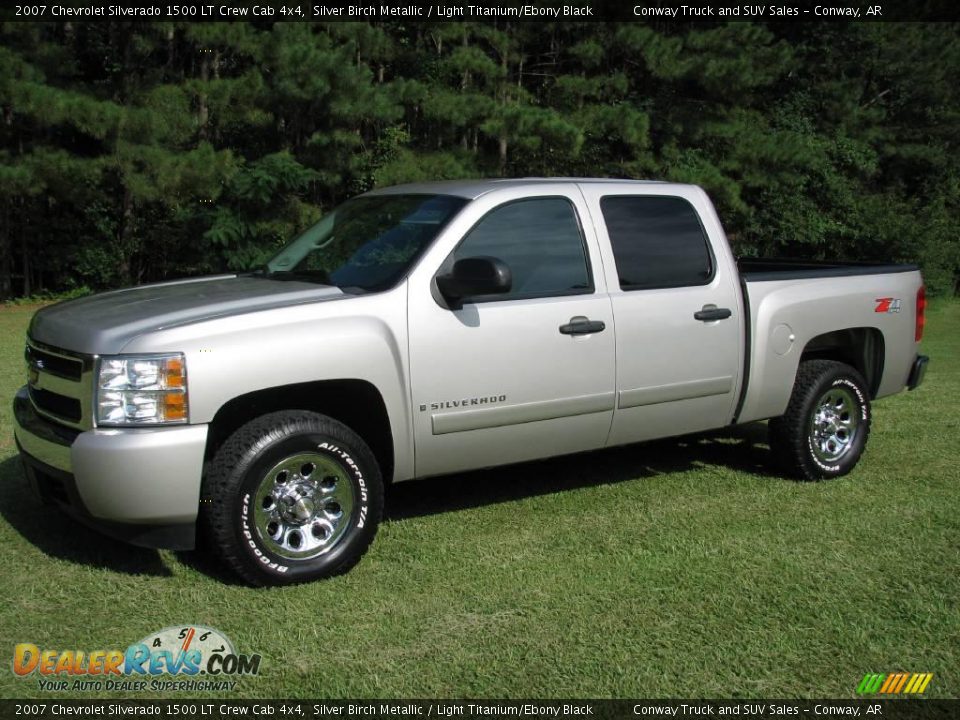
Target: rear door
point(676, 308)
point(503, 379)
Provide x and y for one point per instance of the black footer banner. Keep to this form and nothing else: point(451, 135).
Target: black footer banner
point(536, 709)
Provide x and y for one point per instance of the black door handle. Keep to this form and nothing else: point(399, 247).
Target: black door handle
point(712, 313)
point(580, 325)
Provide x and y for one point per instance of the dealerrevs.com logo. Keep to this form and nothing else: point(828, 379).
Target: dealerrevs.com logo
point(197, 657)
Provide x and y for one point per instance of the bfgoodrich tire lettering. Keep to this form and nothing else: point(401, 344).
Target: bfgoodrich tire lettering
point(290, 497)
point(825, 428)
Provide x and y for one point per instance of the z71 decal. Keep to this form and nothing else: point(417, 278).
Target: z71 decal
point(887, 305)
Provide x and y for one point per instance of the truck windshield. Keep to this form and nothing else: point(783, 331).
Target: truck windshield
point(366, 244)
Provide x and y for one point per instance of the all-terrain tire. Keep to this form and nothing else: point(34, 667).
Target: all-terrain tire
point(825, 428)
point(290, 497)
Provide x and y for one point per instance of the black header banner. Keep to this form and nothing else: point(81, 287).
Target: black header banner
point(483, 11)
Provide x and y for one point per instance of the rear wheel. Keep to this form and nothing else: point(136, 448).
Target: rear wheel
point(825, 428)
point(290, 497)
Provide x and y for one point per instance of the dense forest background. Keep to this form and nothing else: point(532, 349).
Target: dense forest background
point(136, 152)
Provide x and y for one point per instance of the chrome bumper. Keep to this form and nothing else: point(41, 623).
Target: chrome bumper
point(139, 485)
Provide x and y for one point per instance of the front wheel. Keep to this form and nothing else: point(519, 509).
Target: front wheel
point(825, 428)
point(290, 497)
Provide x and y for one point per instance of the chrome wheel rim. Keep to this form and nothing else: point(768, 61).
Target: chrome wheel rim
point(834, 425)
point(303, 505)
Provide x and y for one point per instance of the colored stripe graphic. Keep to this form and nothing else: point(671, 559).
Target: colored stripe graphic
point(894, 683)
point(900, 681)
point(870, 683)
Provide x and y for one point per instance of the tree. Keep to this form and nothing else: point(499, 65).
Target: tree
point(132, 152)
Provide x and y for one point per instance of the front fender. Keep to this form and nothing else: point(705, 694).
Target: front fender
point(356, 338)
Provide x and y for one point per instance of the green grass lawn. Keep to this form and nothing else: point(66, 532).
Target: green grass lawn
point(680, 568)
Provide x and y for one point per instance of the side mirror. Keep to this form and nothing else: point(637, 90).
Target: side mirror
point(474, 276)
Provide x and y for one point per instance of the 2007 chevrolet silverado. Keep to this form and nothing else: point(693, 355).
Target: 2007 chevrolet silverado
point(434, 328)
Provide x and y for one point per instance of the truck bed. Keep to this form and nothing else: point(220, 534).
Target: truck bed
point(791, 305)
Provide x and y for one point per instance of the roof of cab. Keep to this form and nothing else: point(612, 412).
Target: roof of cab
point(472, 189)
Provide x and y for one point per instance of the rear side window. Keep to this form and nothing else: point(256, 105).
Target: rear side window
point(658, 242)
point(540, 241)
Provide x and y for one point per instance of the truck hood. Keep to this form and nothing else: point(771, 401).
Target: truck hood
point(104, 323)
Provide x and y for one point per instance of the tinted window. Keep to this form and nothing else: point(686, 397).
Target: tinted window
point(541, 243)
point(657, 242)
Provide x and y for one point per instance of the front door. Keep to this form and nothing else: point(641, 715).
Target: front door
point(516, 376)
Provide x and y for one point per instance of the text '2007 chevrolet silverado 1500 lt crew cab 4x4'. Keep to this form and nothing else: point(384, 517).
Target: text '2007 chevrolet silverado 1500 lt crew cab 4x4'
point(429, 329)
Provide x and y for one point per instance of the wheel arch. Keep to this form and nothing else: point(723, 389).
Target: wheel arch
point(862, 348)
point(358, 404)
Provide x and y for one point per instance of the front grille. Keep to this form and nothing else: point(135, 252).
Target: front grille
point(63, 407)
point(65, 367)
point(60, 384)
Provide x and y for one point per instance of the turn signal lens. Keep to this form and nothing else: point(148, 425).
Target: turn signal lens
point(174, 407)
point(174, 373)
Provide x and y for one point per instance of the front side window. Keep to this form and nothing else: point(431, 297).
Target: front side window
point(368, 243)
point(540, 241)
point(658, 242)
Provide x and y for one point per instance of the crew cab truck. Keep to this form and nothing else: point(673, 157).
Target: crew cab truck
point(434, 328)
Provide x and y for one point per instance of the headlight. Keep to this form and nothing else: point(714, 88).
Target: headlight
point(142, 390)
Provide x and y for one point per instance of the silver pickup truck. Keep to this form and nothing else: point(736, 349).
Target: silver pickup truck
point(434, 328)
